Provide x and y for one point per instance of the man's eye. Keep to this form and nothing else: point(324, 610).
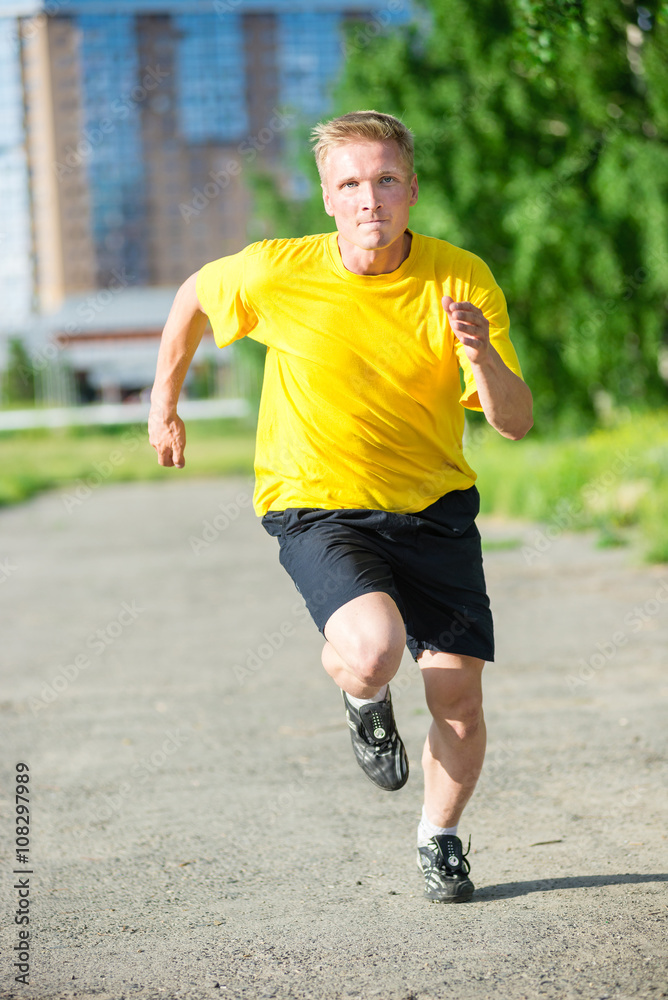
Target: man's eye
point(388, 178)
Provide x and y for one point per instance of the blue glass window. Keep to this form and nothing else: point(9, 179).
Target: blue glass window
point(112, 145)
point(211, 78)
point(15, 249)
point(309, 59)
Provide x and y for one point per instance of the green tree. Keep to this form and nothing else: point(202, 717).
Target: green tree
point(541, 146)
point(18, 379)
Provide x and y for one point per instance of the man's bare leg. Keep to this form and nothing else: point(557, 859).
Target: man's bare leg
point(454, 750)
point(452, 760)
point(365, 643)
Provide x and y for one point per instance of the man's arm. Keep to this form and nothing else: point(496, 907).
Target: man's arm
point(180, 339)
point(505, 399)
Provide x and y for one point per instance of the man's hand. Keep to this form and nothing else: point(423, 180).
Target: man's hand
point(470, 327)
point(180, 339)
point(167, 434)
point(505, 399)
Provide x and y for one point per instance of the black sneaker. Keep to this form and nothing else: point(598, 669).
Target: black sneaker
point(445, 870)
point(377, 744)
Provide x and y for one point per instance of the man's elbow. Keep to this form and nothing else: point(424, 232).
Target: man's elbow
point(523, 418)
point(518, 435)
point(519, 430)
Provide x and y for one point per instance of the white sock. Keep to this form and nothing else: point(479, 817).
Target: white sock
point(358, 702)
point(427, 830)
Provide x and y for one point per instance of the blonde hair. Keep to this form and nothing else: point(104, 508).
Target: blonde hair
point(372, 126)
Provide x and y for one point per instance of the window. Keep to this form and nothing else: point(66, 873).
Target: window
point(211, 83)
point(309, 58)
point(112, 143)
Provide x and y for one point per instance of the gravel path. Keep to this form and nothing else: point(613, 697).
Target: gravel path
point(199, 828)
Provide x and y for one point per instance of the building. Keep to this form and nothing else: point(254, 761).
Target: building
point(130, 128)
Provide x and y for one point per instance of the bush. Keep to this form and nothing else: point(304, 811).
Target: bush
point(18, 378)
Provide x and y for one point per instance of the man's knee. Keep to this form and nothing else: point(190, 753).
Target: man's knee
point(462, 712)
point(453, 690)
point(465, 724)
point(369, 636)
point(466, 718)
point(374, 664)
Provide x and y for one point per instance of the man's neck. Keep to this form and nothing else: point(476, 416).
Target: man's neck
point(382, 261)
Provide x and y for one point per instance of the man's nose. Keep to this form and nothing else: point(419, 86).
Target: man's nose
point(370, 197)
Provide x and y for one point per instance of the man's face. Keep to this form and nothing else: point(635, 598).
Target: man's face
point(368, 190)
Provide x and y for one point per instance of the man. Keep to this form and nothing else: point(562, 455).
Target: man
point(359, 462)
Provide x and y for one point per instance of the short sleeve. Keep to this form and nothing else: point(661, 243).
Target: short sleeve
point(488, 297)
point(222, 295)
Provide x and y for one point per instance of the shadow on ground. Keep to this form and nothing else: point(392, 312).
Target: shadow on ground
point(508, 890)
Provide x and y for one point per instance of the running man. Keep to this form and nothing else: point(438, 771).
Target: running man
point(360, 472)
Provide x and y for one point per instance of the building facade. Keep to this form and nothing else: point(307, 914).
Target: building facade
point(130, 130)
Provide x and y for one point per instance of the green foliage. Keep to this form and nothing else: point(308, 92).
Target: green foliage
point(539, 25)
point(541, 145)
point(18, 378)
point(250, 358)
point(277, 216)
point(202, 383)
point(612, 479)
point(83, 459)
point(557, 176)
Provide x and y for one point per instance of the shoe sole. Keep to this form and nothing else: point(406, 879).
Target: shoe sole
point(383, 788)
point(462, 897)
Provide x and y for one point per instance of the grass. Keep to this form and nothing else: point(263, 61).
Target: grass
point(500, 544)
point(614, 479)
point(77, 457)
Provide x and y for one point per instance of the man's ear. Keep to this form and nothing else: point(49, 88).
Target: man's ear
point(414, 190)
point(327, 201)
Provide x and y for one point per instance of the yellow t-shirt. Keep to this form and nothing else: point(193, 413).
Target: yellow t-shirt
point(361, 397)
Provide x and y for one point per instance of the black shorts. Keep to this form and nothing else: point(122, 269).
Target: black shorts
point(429, 563)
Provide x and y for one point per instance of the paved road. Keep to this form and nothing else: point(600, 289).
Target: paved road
point(200, 829)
